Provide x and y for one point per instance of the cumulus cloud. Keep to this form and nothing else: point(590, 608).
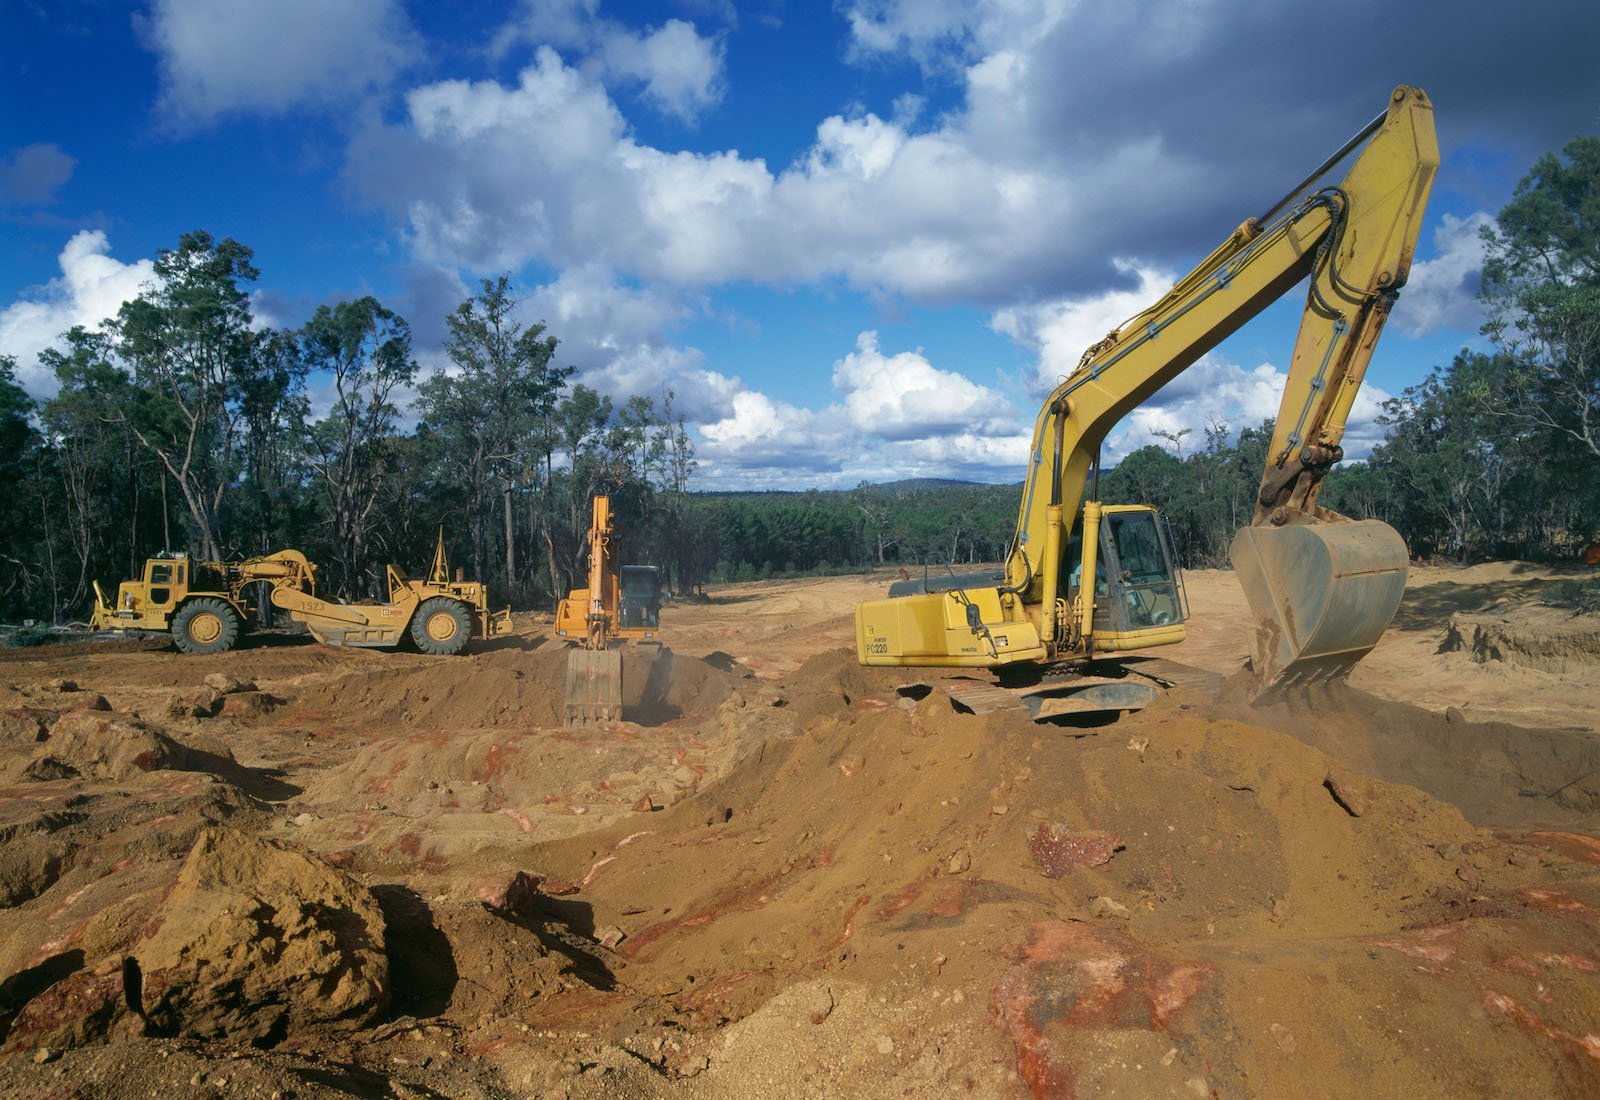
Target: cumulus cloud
point(1059, 332)
point(498, 176)
point(1216, 393)
point(221, 57)
point(904, 397)
point(1211, 392)
point(679, 71)
point(91, 288)
point(763, 434)
point(1443, 292)
point(33, 174)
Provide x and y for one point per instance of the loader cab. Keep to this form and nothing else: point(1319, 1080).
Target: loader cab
point(639, 602)
point(150, 600)
point(1138, 586)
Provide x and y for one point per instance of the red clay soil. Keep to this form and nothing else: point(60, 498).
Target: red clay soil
point(385, 874)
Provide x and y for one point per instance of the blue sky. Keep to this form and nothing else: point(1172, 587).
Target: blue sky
point(858, 240)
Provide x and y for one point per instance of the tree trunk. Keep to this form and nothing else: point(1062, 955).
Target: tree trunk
point(511, 544)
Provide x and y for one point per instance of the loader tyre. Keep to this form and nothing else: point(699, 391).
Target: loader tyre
point(441, 625)
point(206, 625)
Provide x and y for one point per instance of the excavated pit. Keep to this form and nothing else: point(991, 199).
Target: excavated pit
point(798, 883)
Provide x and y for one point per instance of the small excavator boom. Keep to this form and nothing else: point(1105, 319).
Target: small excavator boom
point(619, 604)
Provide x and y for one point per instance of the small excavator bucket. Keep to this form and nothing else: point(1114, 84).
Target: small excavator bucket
point(594, 686)
point(1322, 594)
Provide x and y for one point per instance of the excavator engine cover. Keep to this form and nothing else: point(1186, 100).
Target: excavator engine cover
point(594, 686)
point(1322, 594)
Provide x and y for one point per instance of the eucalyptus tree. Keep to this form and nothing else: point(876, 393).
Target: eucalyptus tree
point(1541, 282)
point(484, 413)
point(362, 353)
point(19, 452)
point(188, 337)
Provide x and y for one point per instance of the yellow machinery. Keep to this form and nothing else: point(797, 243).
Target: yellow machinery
point(618, 605)
point(1323, 588)
point(205, 605)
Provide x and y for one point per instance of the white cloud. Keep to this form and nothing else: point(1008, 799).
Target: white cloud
point(943, 33)
point(679, 71)
point(493, 177)
point(1059, 332)
point(34, 173)
point(903, 397)
point(1443, 292)
point(1216, 392)
point(92, 287)
point(1211, 391)
point(220, 57)
point(763, 434)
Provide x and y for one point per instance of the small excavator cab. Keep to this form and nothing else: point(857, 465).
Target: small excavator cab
point(640, 601)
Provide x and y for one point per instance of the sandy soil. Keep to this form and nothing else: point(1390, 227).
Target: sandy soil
point(781, 876)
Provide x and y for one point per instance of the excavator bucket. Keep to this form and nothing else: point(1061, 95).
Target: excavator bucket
point(594, 686)
point(1322, 594)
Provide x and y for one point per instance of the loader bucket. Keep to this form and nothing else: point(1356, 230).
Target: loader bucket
point(1322, 594)
point(594, 686)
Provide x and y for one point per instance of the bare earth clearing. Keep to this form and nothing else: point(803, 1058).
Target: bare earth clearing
point(348, 873)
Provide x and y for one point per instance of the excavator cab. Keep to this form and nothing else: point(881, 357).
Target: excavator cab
point(1144, 584)
point(639, 602)
point(1138, 585)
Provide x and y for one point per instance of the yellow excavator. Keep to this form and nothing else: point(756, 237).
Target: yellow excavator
point(205, 605)
point(1083, 578)
point(618, 605)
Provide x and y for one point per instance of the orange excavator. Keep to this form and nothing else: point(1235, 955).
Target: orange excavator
point(619, 604)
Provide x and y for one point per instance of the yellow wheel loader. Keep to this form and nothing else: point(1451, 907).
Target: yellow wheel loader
point(1083, 579)
point(620, 604)
point(206, 605)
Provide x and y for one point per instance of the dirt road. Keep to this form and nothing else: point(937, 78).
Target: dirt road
point(346, 873)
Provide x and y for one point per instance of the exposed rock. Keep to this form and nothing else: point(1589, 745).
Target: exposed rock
point(258, 941)
point(1550, 646)
point(514, 892)
point(62, 685)
point(109, 746)
point(203, 703)
point(26, 724)
point(92, 702)
point(1106, 909)
point(227, 684)
point(246, 704)
point(1058, 850)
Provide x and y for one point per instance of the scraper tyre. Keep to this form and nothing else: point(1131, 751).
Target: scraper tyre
point(206, 625)
point(441, 626)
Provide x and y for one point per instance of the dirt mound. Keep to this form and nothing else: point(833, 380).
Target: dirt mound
point(511, 686)
point(248, 941)
point(833, 679)
point(1535, 637)
point(811, 885)
point(1498, 775)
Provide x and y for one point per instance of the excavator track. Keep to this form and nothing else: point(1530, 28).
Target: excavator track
point(1062, 694)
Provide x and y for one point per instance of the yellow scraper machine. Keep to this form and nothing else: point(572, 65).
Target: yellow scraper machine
point(620, 604)
point(1322, 587)
point(205, 605)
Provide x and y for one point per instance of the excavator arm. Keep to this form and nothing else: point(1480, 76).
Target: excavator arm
point(1356, 240)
